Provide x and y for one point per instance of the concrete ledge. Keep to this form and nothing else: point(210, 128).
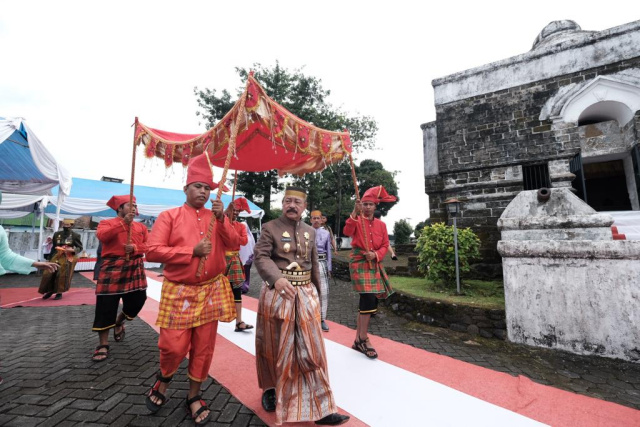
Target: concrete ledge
point(549, 222)
point(563, 249)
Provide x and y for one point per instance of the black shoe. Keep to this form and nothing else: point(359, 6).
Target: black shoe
point(58, 296)
point(269, 400)
point(333, 420)
point(47, 295)
point(325, 327)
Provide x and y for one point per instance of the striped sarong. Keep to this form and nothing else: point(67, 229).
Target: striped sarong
point(366, 278)
point(188, 306)
point(324, 287)
point(119, 276)
point(235, 269)
point(290, 355)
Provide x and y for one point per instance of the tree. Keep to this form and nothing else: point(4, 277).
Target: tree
point(402, 231)
point(332, 192)
point(420, 226)
point(305, 97)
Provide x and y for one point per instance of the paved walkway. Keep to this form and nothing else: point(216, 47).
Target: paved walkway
point(50, 379)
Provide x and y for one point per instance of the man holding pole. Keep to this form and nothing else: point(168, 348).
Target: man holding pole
point(121, 273)
point(235, 268)
point(191, 303)
point(370, 242)
point(290, 355)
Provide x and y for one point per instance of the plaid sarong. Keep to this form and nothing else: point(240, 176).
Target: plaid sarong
point(119, 276)
point(188, 306)
point(235, 269)
point(367, 279)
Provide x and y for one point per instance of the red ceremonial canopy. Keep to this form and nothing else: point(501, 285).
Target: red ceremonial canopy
point(269, 137)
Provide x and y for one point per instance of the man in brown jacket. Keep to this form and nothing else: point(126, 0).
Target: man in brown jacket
point(292, 372)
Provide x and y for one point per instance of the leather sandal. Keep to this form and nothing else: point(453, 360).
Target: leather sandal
point(117, 337)
point(246, 327)
point(162, 399)
point(100, 356)
point(204, 407)
point(361, 346)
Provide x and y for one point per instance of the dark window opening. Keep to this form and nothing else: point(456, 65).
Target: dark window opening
point(535, 177)
point(606, 185)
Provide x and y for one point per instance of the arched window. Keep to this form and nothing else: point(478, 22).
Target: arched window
point(605, 111)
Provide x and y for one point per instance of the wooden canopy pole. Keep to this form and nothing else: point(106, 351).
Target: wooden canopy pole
point(230, 151)
point(362, 223)
point(133, 174)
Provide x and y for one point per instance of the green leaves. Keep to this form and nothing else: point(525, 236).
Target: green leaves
point(436, 252)
point(402, 231)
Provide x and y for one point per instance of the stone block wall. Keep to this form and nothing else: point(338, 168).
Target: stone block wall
point(475, 321)
point(485, 140)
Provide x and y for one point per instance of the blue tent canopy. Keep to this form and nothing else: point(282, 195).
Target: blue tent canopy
point(26, 166)
point(89, 197)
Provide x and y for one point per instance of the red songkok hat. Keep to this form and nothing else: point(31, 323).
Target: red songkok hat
point(241, 204)
point(199, 170)
point(116, 201)
point(378, 194)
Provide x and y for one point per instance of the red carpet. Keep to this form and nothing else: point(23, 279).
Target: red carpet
point(29, 297)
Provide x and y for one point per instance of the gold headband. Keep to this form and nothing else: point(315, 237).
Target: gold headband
point(295, 193)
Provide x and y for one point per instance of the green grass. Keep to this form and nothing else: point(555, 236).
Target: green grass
point(477, 293)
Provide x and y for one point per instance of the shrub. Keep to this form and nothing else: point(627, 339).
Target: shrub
point(402, 231)
point(436, 253)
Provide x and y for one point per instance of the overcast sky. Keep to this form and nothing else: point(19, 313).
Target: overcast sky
point(79, 72)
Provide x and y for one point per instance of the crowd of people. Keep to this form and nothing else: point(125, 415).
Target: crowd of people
point(207, 256)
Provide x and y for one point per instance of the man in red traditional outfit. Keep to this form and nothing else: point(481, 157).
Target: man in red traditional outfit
point(370, 242)
point(121, 274)
point(290, 355)
point(191, 305)
point(235, 268)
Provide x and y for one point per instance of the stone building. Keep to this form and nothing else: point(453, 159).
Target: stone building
point(564, 114)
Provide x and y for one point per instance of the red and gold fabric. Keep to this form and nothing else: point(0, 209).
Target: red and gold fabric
point(118, 275)
point(235, 269)
point(375, 231)
point(368, 278)
point(113, 234)
point(185, 306)
point(269, 137)
point(59, 281)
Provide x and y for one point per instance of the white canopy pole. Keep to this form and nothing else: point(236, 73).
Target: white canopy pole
point(41, 238)
point(59, 203)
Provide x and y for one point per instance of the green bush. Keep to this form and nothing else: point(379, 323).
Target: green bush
point(436, 254)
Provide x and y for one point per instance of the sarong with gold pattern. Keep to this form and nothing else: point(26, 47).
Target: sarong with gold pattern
point(290, 355)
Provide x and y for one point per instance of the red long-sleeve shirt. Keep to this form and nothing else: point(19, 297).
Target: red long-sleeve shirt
point(242, 239)
point(173, 237)
point(376, 232)
point(113, 234)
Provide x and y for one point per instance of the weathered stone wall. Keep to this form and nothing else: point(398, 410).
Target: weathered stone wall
point(579, 296)
point(484, 141)
point(475, 321)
